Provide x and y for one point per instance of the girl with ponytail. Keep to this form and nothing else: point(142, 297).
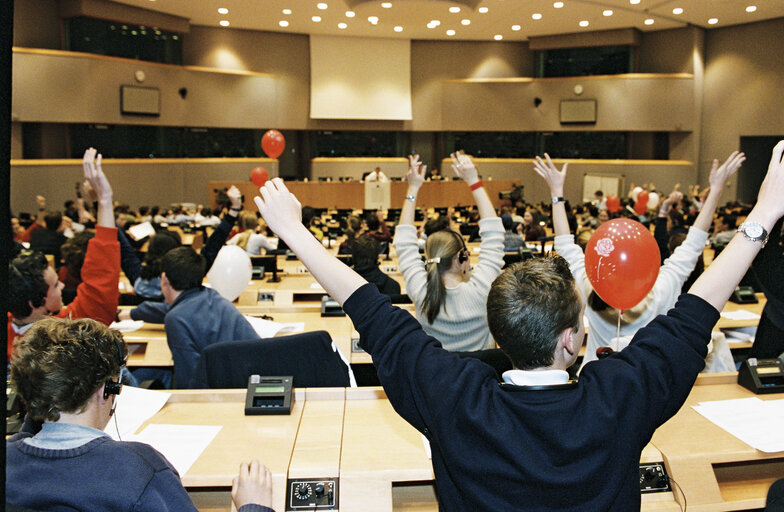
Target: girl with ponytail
point(450, 299)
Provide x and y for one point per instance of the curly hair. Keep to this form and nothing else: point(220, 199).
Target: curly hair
point(26, 284)
point(59, 364)
point(73, 251)
point(529, 305)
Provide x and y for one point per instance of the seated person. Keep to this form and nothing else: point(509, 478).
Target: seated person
point(66, 373)
point(35, 291)
point(50, 238)
point(196, 317)
point(73, 252)
point(539, 440)
point(512, 241)
point(250, 240)
point(364, 251)
point(377, 227)
point(449, 296)
point(723, 229)
point(308, 219)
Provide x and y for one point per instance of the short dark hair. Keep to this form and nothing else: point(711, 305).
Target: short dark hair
point(364, 251)
point(184, 268)
point(58, 365)
point(437, 224)
point(529, 305)
point(52, 220)
point(307, 215)
point(160, 243)
point(729, 219)
point(371, 219)
point(73, 252)
point(26, 284)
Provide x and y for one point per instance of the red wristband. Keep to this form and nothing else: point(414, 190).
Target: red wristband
point(476, 185)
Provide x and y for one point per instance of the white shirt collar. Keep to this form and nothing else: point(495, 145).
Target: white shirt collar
point(535, 377)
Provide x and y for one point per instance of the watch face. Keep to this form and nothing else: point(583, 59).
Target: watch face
point(753, 231)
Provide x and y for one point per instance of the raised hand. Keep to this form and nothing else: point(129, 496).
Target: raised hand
point(555, 179)
point(252, 485)
point(235, 196)
point(674, 197)
point(281, 210)
point(416, 172)
point(720, 174)
point(93, 173)
point(464, 167)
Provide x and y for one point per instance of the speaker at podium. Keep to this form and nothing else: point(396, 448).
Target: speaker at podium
point(377, 195)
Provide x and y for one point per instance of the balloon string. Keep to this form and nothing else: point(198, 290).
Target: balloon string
point(618, 328)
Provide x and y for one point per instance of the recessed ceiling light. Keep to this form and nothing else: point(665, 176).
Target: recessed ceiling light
point(634, 2)
point(584, 23)
point(350, 14)
point(498, 37)
point(435, 23)
point(649, 21)
point(751, 8)
point(677, 10)
point(558, 5)
point(322, 6)
point(223, 10)
point(465, 22)
point(450, 32)
point(316, 19)
point(224, 23)
point(386, 5)
point(607, 12)
point(516, 27)
point(283, 23)
point(398, 29)
point(373, 19)
point(537, 16)
point(342, 26)
point(454, 9)
point(483, 10)
point(713, 21)
point(286, 11)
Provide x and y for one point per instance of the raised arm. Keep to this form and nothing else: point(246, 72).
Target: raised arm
point(283, 214)
point(555, 180)
point(718, 178)
point(463, 166)
point(719, 280)
point(93, 173)
point(415, 177)
point(219, 235)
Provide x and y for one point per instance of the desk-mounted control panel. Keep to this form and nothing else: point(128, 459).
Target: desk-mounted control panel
point(653, 478)
point(312, 494)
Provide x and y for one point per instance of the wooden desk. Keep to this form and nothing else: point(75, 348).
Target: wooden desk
point(726, 323)
point(716, 470)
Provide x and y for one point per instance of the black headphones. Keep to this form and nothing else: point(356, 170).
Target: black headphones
point(113, 387)
point(463, 254)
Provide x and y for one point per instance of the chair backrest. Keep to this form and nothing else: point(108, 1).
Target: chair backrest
point(308, 357)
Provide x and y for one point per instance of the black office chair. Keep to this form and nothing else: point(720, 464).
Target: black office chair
point(493, 357)
point(309, 357)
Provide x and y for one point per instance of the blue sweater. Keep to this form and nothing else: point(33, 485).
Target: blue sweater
point(505, 447)
point(101, 475)
point(198, 318)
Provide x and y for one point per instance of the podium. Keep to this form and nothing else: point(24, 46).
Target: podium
point(377, 195)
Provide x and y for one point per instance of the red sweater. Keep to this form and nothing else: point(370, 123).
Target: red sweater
point(98, 295)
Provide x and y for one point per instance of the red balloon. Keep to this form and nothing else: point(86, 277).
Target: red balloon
point(273, 143)
point(641, 206)
point(622, 262)
point(613, 204)
point(259, 176)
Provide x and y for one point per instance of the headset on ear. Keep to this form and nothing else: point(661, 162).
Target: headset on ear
point(463, 254)
point(114, 387)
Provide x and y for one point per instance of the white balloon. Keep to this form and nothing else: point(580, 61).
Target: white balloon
point(635, 192)
point(653, 200)
point(231, 272)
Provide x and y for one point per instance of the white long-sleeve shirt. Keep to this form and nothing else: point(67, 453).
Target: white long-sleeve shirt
point(602, 326)
point(256, 242)
point(461, 325)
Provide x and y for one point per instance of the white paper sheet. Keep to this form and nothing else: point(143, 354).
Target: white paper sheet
point(316, 286)
point(270, 329)
point(142, 230)
point(758, 423)
point(134, 407)
point(127, 325)
point(740, 314)
point(180, 444)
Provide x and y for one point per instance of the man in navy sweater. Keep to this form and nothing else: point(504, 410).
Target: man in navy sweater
point(67, 375)
point(538, 441)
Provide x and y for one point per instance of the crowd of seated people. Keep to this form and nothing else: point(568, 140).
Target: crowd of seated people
point(450, 296)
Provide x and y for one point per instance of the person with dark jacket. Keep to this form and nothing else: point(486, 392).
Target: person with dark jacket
point(364, 251)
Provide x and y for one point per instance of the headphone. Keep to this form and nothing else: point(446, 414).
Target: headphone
point(114, 387)
point(463, 254)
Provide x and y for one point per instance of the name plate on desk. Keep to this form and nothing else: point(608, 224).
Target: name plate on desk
point(762, 375)
point(269, 395)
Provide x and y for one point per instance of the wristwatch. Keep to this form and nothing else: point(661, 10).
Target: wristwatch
point(558, 199)
point(754, 231)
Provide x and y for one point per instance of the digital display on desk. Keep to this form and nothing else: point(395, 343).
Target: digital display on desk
point(269, 389)
point(761, 370)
